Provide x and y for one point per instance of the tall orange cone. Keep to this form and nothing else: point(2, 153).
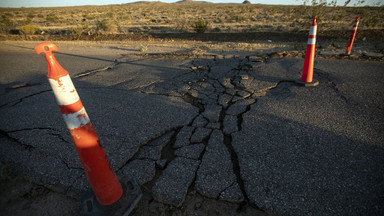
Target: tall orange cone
point(352, 38)
point(109, 197)
point(307, 75)
point(104, 182)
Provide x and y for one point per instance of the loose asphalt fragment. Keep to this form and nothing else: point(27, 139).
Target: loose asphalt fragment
point(215, 173)
point(200, 134)
point(230, 124)
point(191, 151)
point(173, 184)
point(141, 170)
point(182, 138)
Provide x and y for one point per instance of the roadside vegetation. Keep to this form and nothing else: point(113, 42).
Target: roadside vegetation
point(160, 18)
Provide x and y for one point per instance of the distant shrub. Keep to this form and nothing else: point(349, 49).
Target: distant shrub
point(372, 22)
point(79, 30)
point(143, 48)
point(8, 14)
point(28, 30)
point(110, 15)
point(238, 18)
point(27, 21)
point(105, 26)
point(31, 15)
point(6, 24)
point(52, 18)
point(217, 29)
point(200, 26)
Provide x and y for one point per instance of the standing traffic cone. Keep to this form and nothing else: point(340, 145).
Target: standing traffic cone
point(103, 180)
point(307, 75)
point(353, 34)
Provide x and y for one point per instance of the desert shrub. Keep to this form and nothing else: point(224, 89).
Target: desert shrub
point(143, 48)
point(8, 14)
point(89, 16)
point(6, 24)
point(371, 22)
point(110, 15)
point(120, 16)
point(27, 21)
point(105, 26)
point(31, 15)
point(52, 18)
point(28, 30)
point(238, 18)
point(217, 29)
point(200, 26)
point(79, 30)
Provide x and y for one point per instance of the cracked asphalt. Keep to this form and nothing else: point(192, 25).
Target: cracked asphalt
point(230, 127)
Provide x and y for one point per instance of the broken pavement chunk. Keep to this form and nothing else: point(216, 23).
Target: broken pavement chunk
point(173, 184)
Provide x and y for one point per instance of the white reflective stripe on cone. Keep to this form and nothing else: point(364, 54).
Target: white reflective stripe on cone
point(311, 41)
point(64, 90)
point(77, 119)
point(312, 30)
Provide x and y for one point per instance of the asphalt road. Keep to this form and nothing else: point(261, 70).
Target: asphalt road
point(232, 128)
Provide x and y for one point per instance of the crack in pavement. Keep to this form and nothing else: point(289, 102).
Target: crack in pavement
point(332, 85)
point(236, 165)
point(25, 85)
point(71, 167)
point(194, 101)
point(74, 77)
point(22, 85)
point(14, 103)
point(223, 94)
point(87, 73)
point(6, 135)
point(201, 154)
point(53, 133)
point(162, 140)
point(30, 147)
point(156, 153)
point(223, 90)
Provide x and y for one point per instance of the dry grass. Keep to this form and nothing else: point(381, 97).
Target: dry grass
point(156, 17)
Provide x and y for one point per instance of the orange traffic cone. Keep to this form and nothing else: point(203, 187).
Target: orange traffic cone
point(112, 197)
point(307, 75)
point(353, 34)
point(104, 182)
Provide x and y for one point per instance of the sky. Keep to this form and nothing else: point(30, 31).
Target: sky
point(58, 3)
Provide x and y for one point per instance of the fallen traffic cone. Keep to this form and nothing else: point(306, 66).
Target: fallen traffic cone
point(102, 179)
point(352, 38)
point(307, 75)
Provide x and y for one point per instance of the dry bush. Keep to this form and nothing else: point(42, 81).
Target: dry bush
point(28, 30)
point(105, 26)
point(200, 26)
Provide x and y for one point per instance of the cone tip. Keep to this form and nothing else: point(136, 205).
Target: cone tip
point(314, 21)
point(46, 47)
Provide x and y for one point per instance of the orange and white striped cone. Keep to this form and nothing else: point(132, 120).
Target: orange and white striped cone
point(353, 35)
point(307, 75)
point(105, 184)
